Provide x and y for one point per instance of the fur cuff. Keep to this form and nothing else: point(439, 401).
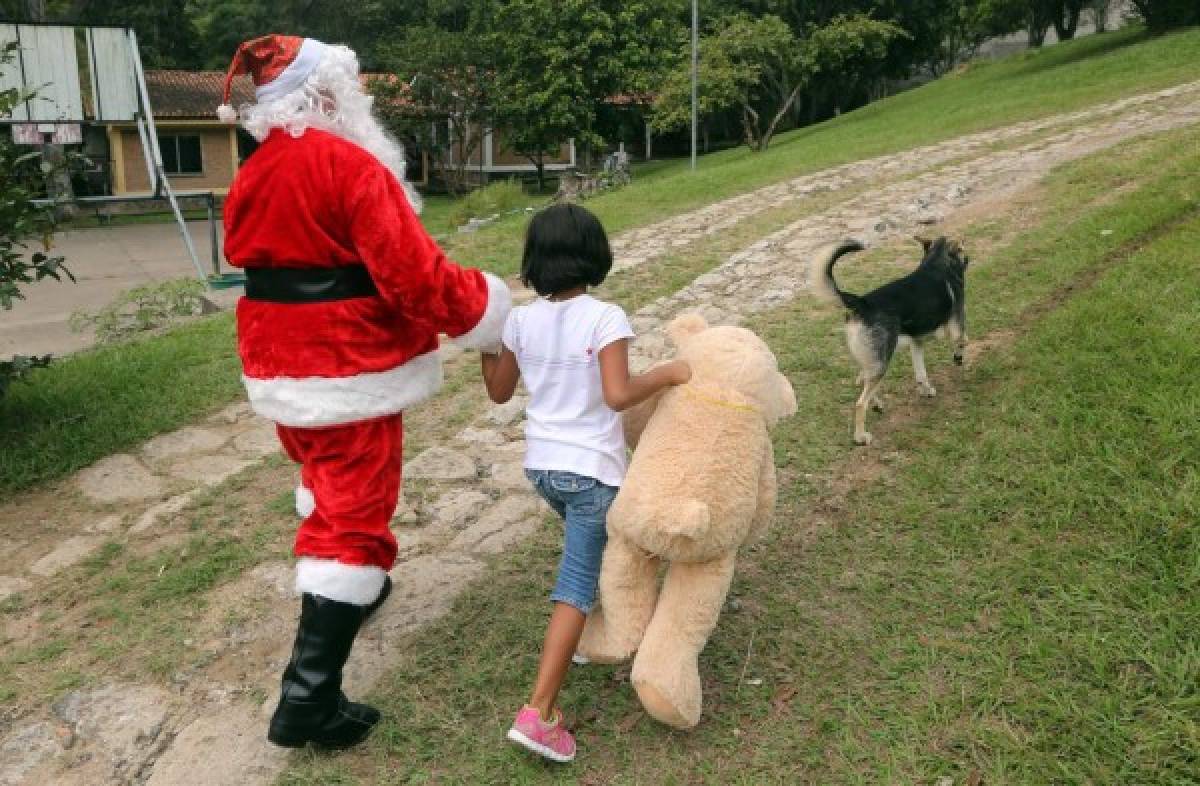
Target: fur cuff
point(312, 402)
point(486, 333)
point(357, 584)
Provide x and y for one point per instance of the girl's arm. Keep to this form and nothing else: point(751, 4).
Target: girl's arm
point(623, 390)
point(500, 374)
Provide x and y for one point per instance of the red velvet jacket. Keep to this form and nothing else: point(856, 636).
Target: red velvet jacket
point(322, 201)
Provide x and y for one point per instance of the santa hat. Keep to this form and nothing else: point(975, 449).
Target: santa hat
point(278, 64)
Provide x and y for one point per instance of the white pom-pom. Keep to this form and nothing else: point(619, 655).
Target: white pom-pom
point(306, 503)
point(226, 114)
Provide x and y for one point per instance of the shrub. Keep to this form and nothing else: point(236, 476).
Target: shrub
point(145, 308)
point(22, 221)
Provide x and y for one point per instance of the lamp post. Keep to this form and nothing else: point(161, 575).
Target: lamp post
point(695, 72)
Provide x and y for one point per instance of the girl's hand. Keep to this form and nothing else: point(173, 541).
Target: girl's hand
point(679, 372)
point(623, 390)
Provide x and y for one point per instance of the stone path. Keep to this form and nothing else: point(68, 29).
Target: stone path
point(468, 498)
point(649, 242)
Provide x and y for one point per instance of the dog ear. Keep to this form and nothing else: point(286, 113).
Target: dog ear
point(685, 325)
point(924, 241)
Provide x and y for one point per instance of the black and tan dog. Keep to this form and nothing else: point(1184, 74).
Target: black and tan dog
point(931, 299)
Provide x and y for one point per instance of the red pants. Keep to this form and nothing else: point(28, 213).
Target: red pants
point(353, 472)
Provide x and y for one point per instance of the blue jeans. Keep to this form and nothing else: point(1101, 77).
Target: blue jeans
point(583, 503)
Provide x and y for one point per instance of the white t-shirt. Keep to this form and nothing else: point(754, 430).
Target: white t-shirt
point(568, 426)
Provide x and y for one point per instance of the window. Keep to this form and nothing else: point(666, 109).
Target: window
point(181, 154)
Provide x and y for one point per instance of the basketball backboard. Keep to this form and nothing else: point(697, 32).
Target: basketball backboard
point(85, 75)
point(79, 74)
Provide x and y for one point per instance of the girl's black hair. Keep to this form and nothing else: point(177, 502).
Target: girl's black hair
point(565, 247)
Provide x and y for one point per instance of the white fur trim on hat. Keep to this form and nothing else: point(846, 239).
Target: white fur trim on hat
point(487, 331)
point(309, 402)
point(306, 503)
point(295, 75)
point(357, 584)
point(226, 114)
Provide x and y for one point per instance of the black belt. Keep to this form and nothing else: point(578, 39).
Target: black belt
point(308, 284)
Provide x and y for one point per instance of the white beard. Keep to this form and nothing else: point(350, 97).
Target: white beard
point(333, 100)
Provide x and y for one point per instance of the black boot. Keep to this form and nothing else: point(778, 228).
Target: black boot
point(312, 707)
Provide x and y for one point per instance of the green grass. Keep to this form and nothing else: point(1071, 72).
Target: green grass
point(96, 404)
point(1059, 78)
point(1012, 594)
point(106, 400)
point(1018, 594)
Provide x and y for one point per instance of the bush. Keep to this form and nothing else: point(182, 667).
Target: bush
point(145, 308)
point(22, 222)
point(485, 202)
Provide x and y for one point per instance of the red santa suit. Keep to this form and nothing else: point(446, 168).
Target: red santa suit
point(336, 370)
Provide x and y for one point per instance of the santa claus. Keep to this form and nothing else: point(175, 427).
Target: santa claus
point(346, 295)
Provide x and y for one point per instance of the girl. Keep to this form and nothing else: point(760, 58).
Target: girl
point(572, 351)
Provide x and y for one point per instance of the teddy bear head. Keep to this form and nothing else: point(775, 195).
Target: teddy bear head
point(733, 358)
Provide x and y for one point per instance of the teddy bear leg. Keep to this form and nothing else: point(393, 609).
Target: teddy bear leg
point(628, 589)
point(665, 672)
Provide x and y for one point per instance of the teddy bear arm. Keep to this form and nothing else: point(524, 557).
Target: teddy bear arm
point(634, 419)
point(764, 510)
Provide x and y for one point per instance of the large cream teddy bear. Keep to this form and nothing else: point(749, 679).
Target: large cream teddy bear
point(701, 481)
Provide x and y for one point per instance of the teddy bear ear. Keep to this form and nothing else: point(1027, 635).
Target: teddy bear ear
point(685, 325)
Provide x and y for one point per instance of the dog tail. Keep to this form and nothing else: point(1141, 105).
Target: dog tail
point(820, 274)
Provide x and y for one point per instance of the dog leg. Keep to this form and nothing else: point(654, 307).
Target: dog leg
point(957, 328)
point(870, 388)
point(959, 336)
point(876, 400)
point(918, 362)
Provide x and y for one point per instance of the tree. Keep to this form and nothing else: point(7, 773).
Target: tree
point(221, 25)
point(722, 85)
point(758, 66)
point(22, 221)
point(439, 97)
point(166, 34)
point(749, 64)
point(1066, 18)
point(849, 54)
point(1160, 15)
point(1100, 10)
point(558, 61)
point(945, 34)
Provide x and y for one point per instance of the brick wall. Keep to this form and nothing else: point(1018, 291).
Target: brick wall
point(216, 155)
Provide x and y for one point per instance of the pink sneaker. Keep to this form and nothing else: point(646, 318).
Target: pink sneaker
point(549, 740)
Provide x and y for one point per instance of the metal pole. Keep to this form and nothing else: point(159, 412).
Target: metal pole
point(695, 72)
point(150, 144)
point(212, 233)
